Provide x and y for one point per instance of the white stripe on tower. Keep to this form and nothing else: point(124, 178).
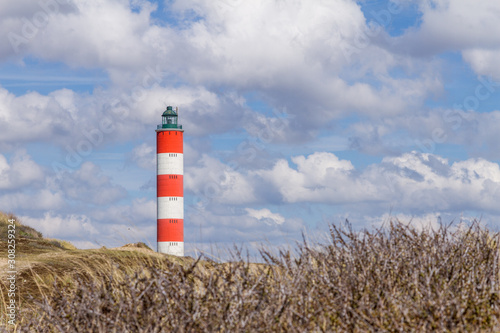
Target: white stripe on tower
point(170, 163)
point(171, 208)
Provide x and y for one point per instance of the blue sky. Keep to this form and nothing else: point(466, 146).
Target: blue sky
point(297, 114)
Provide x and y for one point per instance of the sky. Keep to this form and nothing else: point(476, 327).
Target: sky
point(297, 114)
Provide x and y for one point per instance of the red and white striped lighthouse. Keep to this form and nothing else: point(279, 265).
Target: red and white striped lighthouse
point(169, 186)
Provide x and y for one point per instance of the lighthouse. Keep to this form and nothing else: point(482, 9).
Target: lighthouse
point(169, 186)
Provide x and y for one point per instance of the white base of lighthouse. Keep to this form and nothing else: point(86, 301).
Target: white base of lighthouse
point(173, 248)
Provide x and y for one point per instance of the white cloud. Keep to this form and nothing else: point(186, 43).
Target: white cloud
point(265, 215)
point(21, 182)
point(200, 110)
point(292, 53)
point(260, 41)
point(27, 200)
point(24, 20)
point(412, 181)
point(88, 184)
point(51, 117)
point(95, 33)
point(81, 123)
point(113, 226)
point(138, 213)
point(214, 181)
point(30, 188)
point(226, 225)
point(454, 25)
point(145, 156)
point(427, 182)
point(22, 171)
point(470, 27)
point(64, 227)
point(118, 224)
point(319, 177)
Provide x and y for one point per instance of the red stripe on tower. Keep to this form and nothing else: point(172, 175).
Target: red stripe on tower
point(169, 188)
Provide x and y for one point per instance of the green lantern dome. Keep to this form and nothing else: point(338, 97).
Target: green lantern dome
point(169, 112)
point(169, 118)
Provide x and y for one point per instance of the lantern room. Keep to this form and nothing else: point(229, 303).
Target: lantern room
point(169, 118)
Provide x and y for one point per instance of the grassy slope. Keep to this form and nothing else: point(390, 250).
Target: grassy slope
point(39, 260)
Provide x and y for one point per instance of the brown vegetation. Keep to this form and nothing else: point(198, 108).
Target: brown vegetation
point(394, 279)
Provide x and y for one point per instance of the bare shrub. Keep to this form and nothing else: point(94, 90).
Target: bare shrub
point(394, 279)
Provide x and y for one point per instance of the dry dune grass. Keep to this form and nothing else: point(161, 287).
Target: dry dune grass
point(394, 279)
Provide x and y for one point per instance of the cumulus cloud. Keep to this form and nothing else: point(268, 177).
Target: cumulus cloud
point(452, 25)
point(412, 181)
point(88, 184)
point(422, 182)
point(145, 156)
point(50, 118)
point(260, 41)
point(265, 215)
point(293, 55)
point(201, 110)
point(81, 123)
point(483, 60)
point(63, 227)
point(320, 177)
point(456, 25)
point(31, 188)
point(428, 129)
point(32, 200)
point(104, 33)
point(116, 224)
point(214, 181)
point(415, 182)
point(126, 223)
point(235, 226)
point(24, 20)
point(21, 171)
point(21, 182)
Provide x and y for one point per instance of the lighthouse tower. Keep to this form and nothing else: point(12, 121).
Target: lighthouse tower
point(169, 188)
